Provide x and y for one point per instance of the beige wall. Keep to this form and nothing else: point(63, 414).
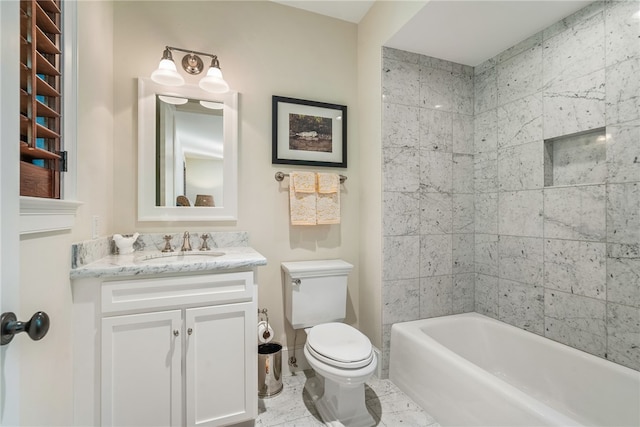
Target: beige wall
point(46, 366)
point(383, 20)
point(265, 49)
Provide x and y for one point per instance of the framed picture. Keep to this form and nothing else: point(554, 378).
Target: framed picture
point(309, 133)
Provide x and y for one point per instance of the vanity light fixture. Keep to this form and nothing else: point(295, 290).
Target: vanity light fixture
point(167, 74)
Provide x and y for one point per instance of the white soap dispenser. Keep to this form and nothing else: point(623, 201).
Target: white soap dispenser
point(125, 244)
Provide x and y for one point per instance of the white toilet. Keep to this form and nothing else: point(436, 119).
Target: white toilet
point(341, 356)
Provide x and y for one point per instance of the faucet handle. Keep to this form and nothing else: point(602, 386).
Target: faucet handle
point(205, 246)
point(167, 243)
point(186, 244)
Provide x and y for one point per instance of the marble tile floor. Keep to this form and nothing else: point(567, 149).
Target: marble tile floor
point(293, 407)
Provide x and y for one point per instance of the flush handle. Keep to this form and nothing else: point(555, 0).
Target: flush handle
point(295, 282)
point(37, 327)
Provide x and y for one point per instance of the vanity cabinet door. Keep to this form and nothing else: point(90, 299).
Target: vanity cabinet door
point(141, 363)
point(221, 364)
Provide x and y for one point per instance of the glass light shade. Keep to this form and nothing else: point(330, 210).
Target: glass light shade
point(166, 74)
point(212, 105)
point(213, 81)
point(174, 100)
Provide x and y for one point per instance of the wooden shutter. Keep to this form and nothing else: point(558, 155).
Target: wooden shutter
point(40, 97)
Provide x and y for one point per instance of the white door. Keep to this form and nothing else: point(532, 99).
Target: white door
point(9, 207)
point(141, 369)
point(221, 359)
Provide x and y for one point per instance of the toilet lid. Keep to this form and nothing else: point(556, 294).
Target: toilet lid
point(344, 345)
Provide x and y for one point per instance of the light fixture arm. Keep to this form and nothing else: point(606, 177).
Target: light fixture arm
point(214, 58)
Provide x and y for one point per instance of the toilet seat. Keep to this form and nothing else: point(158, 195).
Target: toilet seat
point(339, 345)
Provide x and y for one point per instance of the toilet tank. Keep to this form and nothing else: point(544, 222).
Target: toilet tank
point(315, 292)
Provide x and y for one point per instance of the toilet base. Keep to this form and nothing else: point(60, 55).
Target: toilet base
point(339, 405)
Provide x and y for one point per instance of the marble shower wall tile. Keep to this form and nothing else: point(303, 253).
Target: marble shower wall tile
point(520, 76)
point(622, 93)
point(436, 213)
point(487, 295)
point(400, 169)
point(436, 130)
point(520, 122)
point(401, 213)
point(521, 167)
point(580, 159)
point(623, 275)
point(529, 44)
point(575, 53)
point(436, 255)
point(486, 254)
point(436, 296)
point(401, 82)
point(623, 335)
point(521, 305)
point(400, 55)
point(462, 134)
point(485, 171)
point(576, 213)
point(401, 301)
point(446, 90)
point(576, 321)
point(576, 267)
point(622, 31)
point(575, 105)
point(573, 19)
point(463, 251)
point(623, 152)
point(463, 171)
point(521, 259)
point(400, 126)
point(486, 213)
point(401, 257)
point(623, 213)
point(463, 293)
point(486, 91)
point(436, 174)
point(485, 135)
point(463, 213)
point(520, 213)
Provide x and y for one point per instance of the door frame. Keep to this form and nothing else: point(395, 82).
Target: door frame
point(9, 205)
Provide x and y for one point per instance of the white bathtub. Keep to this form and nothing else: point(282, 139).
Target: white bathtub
point(471, 370)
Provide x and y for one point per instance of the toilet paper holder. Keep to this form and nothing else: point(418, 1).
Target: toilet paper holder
point(266, 330)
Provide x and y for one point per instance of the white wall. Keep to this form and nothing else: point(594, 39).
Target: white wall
point(264, 49)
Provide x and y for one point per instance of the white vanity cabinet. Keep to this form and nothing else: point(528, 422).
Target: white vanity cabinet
point(165, 350)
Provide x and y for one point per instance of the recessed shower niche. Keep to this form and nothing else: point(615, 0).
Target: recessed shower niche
point(579, 158)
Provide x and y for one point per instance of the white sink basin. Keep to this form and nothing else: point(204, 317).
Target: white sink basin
point(185, 257)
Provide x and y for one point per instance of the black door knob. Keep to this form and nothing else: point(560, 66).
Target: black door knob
point(37, 327)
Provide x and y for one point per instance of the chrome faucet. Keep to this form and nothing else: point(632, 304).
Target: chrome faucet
point(186, 244)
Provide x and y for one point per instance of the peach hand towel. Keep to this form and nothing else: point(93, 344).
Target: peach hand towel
point(328, 204)
point(302, 198)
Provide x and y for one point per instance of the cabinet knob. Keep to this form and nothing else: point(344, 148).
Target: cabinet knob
point(176, 333)
point(190, 331)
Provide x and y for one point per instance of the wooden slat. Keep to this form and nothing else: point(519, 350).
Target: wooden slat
point(44, 88)
point(43, 66)
point(43, 21)
point(44, 43)
point(37, 153)
point(49, 6)
point(45, 132)
point(43, 110)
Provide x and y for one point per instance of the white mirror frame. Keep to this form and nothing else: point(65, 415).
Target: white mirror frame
point(147, 209)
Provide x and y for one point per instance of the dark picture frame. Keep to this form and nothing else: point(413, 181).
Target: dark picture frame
point(308, 133)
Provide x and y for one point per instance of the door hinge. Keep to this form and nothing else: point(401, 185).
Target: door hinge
point(63, 161)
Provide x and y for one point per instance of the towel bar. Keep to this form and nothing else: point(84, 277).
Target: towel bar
point(280, 176)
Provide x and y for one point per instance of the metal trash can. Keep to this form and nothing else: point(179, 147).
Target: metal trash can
point(269, 369)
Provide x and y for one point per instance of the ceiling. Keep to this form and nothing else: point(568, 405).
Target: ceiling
point(467, 32)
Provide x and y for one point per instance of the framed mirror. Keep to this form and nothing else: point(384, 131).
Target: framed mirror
point(187, 153)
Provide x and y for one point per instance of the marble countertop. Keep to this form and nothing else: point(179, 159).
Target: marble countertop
point(156, 262)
